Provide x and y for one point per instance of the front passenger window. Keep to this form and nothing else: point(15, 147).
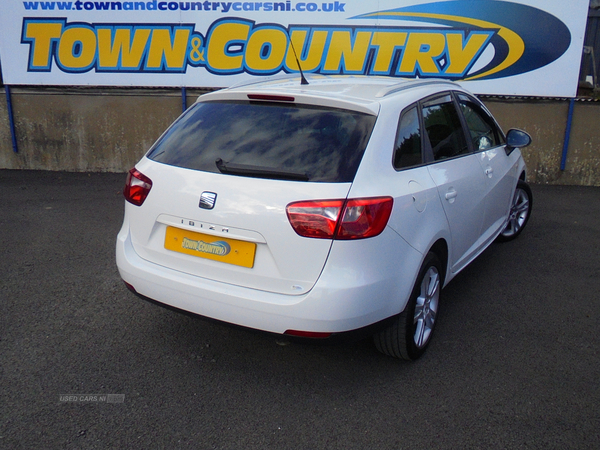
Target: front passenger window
point(482, 128)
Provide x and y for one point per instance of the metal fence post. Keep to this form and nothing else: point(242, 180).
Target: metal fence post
point(563, 161)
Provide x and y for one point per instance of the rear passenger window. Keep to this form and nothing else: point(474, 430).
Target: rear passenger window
point(408, 141)
point(443, 128)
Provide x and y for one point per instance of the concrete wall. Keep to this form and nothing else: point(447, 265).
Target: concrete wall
point(546, 121)
point(85, 129)
point(110, 129)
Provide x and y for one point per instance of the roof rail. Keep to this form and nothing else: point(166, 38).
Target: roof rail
point(410, 84)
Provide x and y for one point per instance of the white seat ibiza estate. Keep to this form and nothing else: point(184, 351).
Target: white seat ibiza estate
point(317, 210)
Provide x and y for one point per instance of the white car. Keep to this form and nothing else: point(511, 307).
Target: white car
point(316, 210)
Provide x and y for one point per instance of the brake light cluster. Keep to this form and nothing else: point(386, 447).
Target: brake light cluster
point(340, 219)
point(137, 187)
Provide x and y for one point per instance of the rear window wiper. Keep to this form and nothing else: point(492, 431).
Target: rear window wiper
point(259, 172)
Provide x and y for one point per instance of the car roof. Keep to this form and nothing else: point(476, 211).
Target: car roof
point(345, 91)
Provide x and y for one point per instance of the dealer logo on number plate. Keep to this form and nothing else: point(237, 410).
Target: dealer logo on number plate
point(230, 251)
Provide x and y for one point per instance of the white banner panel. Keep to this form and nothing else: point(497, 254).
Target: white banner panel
point(530, 47)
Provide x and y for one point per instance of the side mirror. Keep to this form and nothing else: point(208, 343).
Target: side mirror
point(517, 139)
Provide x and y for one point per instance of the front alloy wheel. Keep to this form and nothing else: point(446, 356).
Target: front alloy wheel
point(520, 210)
point(410, 334)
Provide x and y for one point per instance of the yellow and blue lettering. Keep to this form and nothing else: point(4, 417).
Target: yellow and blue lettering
point(42, 36)
point(464, 51)
point(122, 47)
point(226, 41)
point(386, 44)
point(309, 45)
point(234, 45)
point(347, 52)
point(168, 48)
point(77, 48)
point(80, 47)
point(266, 50)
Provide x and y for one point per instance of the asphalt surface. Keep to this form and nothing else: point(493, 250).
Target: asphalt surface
point(515, 362)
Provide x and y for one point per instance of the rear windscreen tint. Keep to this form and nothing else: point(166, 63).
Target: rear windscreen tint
point(326, 144)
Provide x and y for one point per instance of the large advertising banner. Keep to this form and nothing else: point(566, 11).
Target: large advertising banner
point(528, 47)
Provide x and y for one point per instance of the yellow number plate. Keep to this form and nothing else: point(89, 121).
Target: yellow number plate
point(217, 248)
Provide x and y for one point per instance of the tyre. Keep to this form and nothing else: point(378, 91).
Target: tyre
point(408, 337)
point(520, 210)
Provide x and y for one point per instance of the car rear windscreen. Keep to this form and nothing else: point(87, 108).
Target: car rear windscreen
point(268, 140)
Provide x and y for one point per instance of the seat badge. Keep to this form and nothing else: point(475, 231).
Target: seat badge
point(208, 200)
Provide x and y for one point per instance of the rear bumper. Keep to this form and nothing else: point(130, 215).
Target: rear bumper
point(344, 298)
point(333, 338)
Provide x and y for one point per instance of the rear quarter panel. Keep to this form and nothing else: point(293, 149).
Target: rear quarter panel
point(417, 216)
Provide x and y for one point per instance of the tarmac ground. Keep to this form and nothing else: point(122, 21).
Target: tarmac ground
point(84, 363)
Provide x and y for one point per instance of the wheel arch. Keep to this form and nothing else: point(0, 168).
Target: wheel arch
point(440, 248)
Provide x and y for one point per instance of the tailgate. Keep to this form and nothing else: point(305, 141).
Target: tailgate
point(245, 240)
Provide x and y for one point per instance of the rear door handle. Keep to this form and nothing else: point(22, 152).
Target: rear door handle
point(451, 195)
point(489, 171)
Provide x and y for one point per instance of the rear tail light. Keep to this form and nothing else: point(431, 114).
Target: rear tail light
point(315, 219)
point(340, 219)
point(137, 187)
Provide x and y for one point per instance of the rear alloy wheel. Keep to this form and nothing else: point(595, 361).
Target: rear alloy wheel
point(520, 210)
point(408, 337)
